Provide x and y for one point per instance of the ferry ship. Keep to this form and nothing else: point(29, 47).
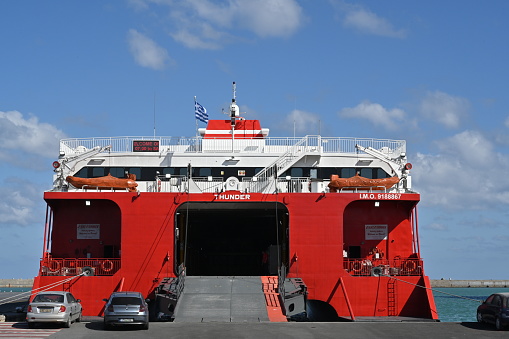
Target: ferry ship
point(234, 225)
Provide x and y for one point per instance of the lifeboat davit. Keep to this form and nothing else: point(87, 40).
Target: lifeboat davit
point(107, 182)
point(337, 183)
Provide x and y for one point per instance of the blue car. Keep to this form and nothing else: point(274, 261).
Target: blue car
point(495, 310)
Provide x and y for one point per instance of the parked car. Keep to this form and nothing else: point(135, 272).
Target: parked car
point(54, 307)
point(495, 310)
point(126, 308)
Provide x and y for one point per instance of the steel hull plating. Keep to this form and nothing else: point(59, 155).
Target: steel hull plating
point(333, 241)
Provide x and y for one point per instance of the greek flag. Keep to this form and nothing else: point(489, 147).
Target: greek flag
point(200, 112)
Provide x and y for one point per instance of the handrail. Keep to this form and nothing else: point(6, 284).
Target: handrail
point(271, 145)
point(72, 266)
point(280, 165)
point(384, 267)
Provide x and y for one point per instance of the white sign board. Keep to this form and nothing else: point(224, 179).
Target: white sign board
point(88, 231)
point(376, 232)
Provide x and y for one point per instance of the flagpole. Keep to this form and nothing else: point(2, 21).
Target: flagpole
point(196, 120)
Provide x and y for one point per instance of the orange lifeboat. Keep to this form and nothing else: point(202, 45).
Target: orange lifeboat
point(337, 183)
point(107, 182)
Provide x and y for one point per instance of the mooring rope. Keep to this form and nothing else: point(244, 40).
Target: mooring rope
point(433, 290)
point(37, 290)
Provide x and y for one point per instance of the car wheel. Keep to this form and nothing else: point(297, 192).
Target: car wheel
point(498, 324)
point(145, 326)
point(67, 324)
point(31, 325)
point(479, 317)
point(107, 326)
point(78, 319)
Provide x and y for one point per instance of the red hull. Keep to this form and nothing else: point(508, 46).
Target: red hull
point(139, 230)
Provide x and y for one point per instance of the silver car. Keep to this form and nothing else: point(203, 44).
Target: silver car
point(54, 307)
point(126, 308)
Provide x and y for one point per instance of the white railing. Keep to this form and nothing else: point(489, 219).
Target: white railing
point(272, 145)
point(282, 163)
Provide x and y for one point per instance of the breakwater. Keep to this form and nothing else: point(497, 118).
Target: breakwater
point(16, 282)
point(469, 283)
point(434, 283)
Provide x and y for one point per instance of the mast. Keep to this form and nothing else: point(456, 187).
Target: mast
point(234, 113)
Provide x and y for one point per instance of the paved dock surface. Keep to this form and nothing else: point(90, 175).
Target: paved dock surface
point(93, 329)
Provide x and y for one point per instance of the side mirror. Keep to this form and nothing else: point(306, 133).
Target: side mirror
point(78, 300)
point(147, 300)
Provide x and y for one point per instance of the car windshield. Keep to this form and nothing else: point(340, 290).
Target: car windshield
point(126, 301)
point(53, 298)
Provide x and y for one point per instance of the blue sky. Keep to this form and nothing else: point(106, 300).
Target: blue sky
point(434, 73)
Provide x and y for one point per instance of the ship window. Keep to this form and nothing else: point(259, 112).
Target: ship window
point(82, 173)
point(347, 172)
point(313, 173)
point(117, 172)
point(296, 172)
point(204, 172)
point(380, 174)
point(257, 169)
point(326, 172)
point(168, 170)
point(367, 173)
point(134, 170)
point(148, 173)
point(97, 172)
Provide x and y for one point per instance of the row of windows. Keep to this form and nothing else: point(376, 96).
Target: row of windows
point(149, 173)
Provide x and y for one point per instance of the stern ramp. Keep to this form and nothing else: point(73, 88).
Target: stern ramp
point(222, 299)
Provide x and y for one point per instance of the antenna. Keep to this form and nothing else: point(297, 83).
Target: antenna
point(154, 114)
point(234, 91)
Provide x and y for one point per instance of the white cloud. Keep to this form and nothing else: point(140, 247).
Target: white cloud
point(443, 108)
point(205, 24)
point(301, 122)
point(466, 173)
point(199, 36)
point(365, 21)
point(269, 18)
point(369, 23)
point(20, 208)
point(26, 138)
point(376, 114)
point(146, 52)
point(436, 226)
point(506, 122)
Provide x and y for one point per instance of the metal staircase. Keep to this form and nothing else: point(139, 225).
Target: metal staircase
point(262, 180)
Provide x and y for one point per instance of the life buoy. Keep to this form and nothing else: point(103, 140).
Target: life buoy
point(107, 265)
point(54, 266)
point(357, 267)
point(409, 266)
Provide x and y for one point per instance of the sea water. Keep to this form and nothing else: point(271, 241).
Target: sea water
point(460, 304)
point(15, 289)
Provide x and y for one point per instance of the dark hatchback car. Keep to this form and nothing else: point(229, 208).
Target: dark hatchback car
point(126, 308)
point(495, 310)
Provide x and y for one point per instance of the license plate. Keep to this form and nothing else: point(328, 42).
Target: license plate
point(45, 310)
point(126, 320)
